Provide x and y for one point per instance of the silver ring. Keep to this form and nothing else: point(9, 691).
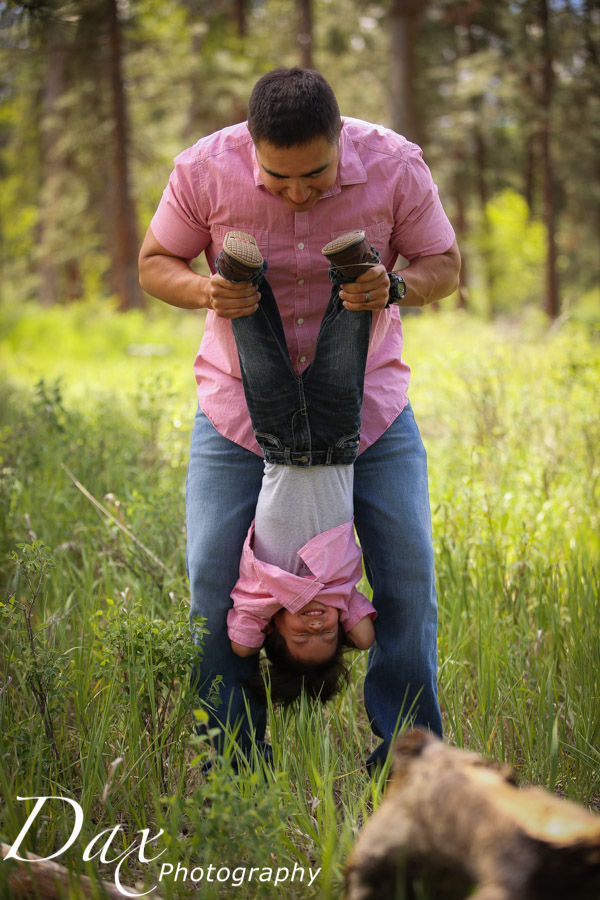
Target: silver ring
point(368, 297)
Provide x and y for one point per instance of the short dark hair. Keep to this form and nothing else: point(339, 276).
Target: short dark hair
point(293, 107)
point(288, 678)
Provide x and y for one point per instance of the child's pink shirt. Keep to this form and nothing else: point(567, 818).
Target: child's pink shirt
point(383, 186)
point(263, 589)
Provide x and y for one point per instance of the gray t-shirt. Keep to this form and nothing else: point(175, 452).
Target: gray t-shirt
point(296, 504)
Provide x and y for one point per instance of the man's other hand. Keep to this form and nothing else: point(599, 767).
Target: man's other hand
point(370, 291)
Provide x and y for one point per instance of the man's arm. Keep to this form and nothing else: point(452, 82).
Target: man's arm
point(427, 278)
point(170, 278)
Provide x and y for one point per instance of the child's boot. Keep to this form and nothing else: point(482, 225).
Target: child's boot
point(351, 254)
point(241, 259)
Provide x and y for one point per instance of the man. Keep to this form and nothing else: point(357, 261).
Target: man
point(295, 177)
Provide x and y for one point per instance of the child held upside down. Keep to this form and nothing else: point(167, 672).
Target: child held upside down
point(296, 591)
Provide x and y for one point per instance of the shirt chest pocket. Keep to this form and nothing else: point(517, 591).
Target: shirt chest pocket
point(378, 235)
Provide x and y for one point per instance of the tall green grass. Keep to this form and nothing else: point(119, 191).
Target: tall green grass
point(94, 642)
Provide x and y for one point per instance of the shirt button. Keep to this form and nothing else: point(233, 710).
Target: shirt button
point(302, 359)
point(301, 281)
point(300, 320)
point(300, 246)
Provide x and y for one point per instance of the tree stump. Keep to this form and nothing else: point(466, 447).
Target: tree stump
point(51, 881)
point(453, 825)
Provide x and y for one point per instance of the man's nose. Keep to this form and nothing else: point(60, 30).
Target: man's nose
point(298, 192)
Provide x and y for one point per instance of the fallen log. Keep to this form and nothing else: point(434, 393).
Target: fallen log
point(47, 879)
point(453, 825)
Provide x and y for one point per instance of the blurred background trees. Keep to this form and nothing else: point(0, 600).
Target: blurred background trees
point(97, 96)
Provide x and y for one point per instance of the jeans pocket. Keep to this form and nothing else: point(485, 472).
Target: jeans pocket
point(349, 441)
point(269, 440)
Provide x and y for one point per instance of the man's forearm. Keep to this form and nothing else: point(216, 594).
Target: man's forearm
point(170, 278)
point(431, 278)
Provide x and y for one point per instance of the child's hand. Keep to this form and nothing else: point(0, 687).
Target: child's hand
point(240, 650)
point(362, 635)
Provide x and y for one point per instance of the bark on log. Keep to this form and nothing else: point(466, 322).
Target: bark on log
point(455, 826)
point(49, 880)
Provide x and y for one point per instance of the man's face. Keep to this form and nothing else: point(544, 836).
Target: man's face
point(301, 174)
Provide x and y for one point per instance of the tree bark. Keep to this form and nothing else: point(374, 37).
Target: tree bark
point(125, 240)
point(241, 22)
point(594, 62)
point(305, 33)
point(462, 228)
point(56, 54)
point(552, 299)
point(52, 881)
point(456, 825)
point(404, 22)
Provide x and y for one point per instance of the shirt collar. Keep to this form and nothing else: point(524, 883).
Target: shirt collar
point(329, 557)
point(328, 554)
point(350, 167)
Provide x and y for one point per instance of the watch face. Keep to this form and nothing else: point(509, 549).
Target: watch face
point(398, 287)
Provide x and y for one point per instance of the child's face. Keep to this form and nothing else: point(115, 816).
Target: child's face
point(311, 635)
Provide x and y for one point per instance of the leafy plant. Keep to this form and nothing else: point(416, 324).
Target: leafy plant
point(29, 651)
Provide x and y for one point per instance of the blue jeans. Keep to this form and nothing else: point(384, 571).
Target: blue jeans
point(392, 517)
point(312, 419)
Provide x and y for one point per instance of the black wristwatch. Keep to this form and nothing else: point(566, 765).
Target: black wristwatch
point(397, 288)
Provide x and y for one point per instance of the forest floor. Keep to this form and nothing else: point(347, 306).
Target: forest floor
point(96, 410)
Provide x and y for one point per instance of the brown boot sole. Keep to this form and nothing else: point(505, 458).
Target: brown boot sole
point(243, 249)
point(344, 242)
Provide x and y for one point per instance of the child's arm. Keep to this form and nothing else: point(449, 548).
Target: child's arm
point(362, 635)
point(246, 631)
point(240, 650)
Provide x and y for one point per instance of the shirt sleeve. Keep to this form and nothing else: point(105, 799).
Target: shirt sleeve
point(421, 227)
point(246, 628)
point(358, 608)
point(180, 222)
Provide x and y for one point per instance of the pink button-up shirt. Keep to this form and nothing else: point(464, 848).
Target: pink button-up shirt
point(263, 589)
point(382, 186)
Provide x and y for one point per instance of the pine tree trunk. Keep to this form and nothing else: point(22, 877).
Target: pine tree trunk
point(305, 33)
point(552, 301)
point(55, 51)
point(240, 18)
point(125, 246)
point(594, 61)
point(461, 227)
point(404, 22)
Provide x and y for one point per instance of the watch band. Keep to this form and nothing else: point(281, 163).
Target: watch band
point(397, 288)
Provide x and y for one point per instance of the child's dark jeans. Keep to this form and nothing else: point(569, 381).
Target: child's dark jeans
point(312, 419)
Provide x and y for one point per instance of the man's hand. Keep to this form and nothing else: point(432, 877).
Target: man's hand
point(376, 282)
point(170, 278)
point(230, 301)
point(427, 278)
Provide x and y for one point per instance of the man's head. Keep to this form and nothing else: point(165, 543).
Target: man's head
point(293, 107)
point(294, 121)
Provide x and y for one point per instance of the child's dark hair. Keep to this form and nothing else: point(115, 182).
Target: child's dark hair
point(288, 678)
